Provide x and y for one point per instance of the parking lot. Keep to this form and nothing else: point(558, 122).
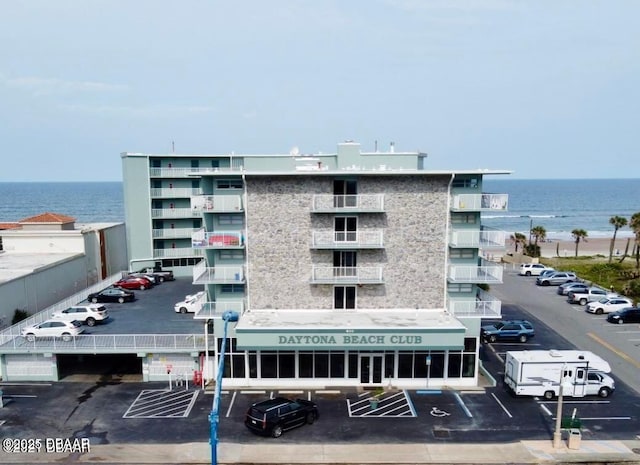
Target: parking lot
point(151, 413)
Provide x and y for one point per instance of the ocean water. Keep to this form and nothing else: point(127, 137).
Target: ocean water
point(87, 202)
point(557, 205)
point(562, 205)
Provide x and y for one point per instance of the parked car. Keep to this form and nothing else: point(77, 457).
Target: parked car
point(87, 314)
point(159, 273)
point(555, 278)
point(134, 283)
point(626, 315)
point(52, 328)
point(112, 294)
point(153, 278)
point(521, 330)
point(191, 303)
point(274, 416)
point(608, 305)
point(533, 269)
point(564, 289)
point(591, 294)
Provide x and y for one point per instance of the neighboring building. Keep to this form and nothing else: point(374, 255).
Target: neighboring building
point(347, 269)
point(47, 258)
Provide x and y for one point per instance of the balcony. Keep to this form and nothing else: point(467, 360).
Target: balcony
point(216, 240)
point(487, 273)
point(486, 238)
point(368, 239)
point(362, 203)
point(172, 213)
point(171, 193)
point(480, 202)
point(216, 309)
point(173, 233)
point(218, 275)
point(485, 306)
point(346, 275)
point(216, 204)
point(182, 252)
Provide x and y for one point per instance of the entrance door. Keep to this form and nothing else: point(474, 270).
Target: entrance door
point(371, 368)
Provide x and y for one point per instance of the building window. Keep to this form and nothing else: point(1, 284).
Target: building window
point(233, 254)
point(460, 288)
point(236, 220)
point(469, 183)
point(229, 184)
point(345, 193)
point(466, 218)
point(344, 297)
point(232, 288)
point(345, 229)
point(462, 253)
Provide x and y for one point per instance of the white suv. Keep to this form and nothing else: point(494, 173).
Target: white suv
point(191, 303)
point(87, 314)
point(533, 269)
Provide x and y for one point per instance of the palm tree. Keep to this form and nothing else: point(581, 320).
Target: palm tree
point(617, 222)
point(634, 224)
point(579, 234)
point(539, 234)
point(518, 239)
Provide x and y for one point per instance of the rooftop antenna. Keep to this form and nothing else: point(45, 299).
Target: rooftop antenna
point(376, 146)
point(173, 147)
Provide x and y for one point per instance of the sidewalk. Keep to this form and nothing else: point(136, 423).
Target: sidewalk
point(525, 452)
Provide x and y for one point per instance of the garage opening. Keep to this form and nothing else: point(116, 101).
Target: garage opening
point(72, 367)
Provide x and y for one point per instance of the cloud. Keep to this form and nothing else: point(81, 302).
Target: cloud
point(142, 111)
point(461, 6)
point(51, 86)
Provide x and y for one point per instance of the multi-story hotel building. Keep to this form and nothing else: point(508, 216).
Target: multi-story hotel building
point(346, 269)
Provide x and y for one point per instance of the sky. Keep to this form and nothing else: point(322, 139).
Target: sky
point(547, 89)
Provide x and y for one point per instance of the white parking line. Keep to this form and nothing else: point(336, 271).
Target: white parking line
point(501, 405)
point(233, 398)
point(462, 405)
point(546, 410)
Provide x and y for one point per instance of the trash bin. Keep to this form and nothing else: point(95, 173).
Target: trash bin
point(575, 436)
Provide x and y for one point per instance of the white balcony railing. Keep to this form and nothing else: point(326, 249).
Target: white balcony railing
point(217, 240)
point(480, 202)
point(218, 275)
point(173, 233)
point(478, 239)
point(171, 213)
point(346, 275)
point(484, 306)
point(170, 193)
point(217, 309)
point(216, 203)
point(178, 252)
point(486, 273)
point(103, 343)
point(344, 203)
point(347, 239)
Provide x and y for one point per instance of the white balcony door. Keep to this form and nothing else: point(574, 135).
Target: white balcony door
point(344, 263)
point(345, 193)
point(345, 229)
point(344, 297)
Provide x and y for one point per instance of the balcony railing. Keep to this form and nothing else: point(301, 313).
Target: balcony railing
point(485, 239)
point(172, 213)
point(480, 202)
point(367, 239)
point(218, 275)
point(173, 233)
point(216, 309)
point(486, 273)
point(328, 203)
point(484, 306)
point(216, 203)
point(346, 275)
point(103, 343)
point(217, 240)
point(170, 193)
point(178, 252)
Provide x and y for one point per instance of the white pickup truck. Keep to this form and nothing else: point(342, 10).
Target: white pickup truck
point(590, 295)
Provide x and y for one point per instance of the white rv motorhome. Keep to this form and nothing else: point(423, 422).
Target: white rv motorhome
point(540, 372)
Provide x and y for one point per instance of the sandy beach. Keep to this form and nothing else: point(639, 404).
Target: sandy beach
point(567, 248)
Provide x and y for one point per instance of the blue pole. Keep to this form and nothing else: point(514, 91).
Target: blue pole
point(214, 416)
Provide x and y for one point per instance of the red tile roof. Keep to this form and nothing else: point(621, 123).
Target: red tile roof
point(9, 226)
point(49, 218)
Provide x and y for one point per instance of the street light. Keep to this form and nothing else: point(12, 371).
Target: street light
point(214, 416)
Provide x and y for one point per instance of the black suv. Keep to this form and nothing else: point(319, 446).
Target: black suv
point(521, 330)
point(272, 417)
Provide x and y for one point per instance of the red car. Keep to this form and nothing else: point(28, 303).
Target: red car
point(134, 283)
